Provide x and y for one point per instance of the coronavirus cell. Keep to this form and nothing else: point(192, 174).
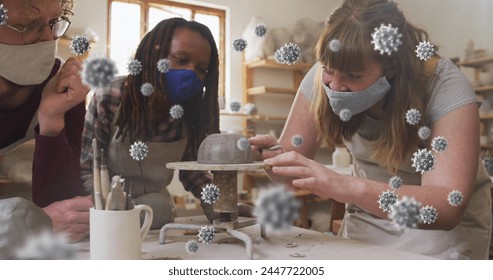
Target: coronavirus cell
point(206, 234)
point(413, 116)
point(79, 45)
point(386, 199)
point(146, 89)
point(386, 39)
point(191, 246)
point(423, 161)
point(134, 67)
point(239, 44)
point(428, 214)
point(425, 50)
point(210, 193)
point(260, 30)
point(276, 207)
point(176, 111)
point(3, 15)
point(138, 150)
point(439, 144)
point(405, 213)
point(455, 198)
point(287, 54)
point(98, 72)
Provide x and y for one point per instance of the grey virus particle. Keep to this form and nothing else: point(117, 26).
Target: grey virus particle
point(455, 198)
point(239, 44)
point(386, 199)
point(428, 214)
point(176, 112)
point(424, 132)
point(335, 45)
point(276, 207)
point(210, 193)
point(439, 144)
point(287, 54)
point(163, 65)
point(46, 245)
point(99, 72)
point(386, 39)
point(138, 150)
point(79, 45)
point(250, 109)
point(395, 182)
point(260, 30)
point(206, 234)
point(297, 140)
point(243, 144)
point(235, 106)
point(423, 161)
point(191, 246)
point(345, 115)
point(413, 116)
point(3, 15)
point(425, 50)
point(134, 67)
point(405, 213)
point(146, 89)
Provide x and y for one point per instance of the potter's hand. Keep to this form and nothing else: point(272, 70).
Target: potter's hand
point(264, 146)
point(63, 92)
point(70, 216)
point(309, 175)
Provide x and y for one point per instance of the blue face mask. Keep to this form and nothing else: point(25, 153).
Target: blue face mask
point(182, 84)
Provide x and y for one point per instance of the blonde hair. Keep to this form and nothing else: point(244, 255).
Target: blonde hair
point(352, 24)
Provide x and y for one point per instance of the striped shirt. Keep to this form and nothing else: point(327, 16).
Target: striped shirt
point(98, 124)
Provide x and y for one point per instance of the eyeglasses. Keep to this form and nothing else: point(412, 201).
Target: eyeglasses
point(33, 32)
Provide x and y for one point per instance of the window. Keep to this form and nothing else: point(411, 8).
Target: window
point(130, 20)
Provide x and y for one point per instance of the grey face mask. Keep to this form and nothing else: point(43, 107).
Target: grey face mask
point(357, 101)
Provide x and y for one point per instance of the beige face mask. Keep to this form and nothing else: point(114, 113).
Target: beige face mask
point(27, 64)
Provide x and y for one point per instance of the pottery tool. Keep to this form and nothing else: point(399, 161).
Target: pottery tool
point(129, 203)
point(274, 148)
point(96, 175)
point(105, 178)
point(117, 197)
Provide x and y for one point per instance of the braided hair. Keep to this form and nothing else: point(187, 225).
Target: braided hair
point(138, 117)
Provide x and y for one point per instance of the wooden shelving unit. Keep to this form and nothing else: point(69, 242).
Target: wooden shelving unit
point(296, 73)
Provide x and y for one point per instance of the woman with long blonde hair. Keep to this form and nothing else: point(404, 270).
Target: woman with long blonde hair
point(411, 123)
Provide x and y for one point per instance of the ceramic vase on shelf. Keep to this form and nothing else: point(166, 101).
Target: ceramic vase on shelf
point(341, 157)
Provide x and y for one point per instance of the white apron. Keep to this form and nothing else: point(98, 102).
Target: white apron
point(470, 239)
point(150, 187)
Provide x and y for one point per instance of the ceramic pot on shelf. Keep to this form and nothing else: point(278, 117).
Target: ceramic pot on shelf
point(341, 157)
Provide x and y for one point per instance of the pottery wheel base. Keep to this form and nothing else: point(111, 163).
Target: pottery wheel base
point(229, 227)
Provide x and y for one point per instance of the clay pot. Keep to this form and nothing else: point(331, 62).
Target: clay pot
point(225, 148)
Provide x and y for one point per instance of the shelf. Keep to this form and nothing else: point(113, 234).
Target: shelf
point(483, 89)
point(271, 90)
point(486, 146)
point(487, 116)
point(476, 62)
point(272, 64)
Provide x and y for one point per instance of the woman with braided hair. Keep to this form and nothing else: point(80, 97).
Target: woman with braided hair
point(159, 113)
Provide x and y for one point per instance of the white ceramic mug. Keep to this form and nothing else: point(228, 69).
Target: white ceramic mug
point(118, 235)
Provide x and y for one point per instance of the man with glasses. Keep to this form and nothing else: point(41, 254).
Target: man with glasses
point(42, 98)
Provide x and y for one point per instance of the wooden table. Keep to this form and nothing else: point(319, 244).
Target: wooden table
point(292, 244)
